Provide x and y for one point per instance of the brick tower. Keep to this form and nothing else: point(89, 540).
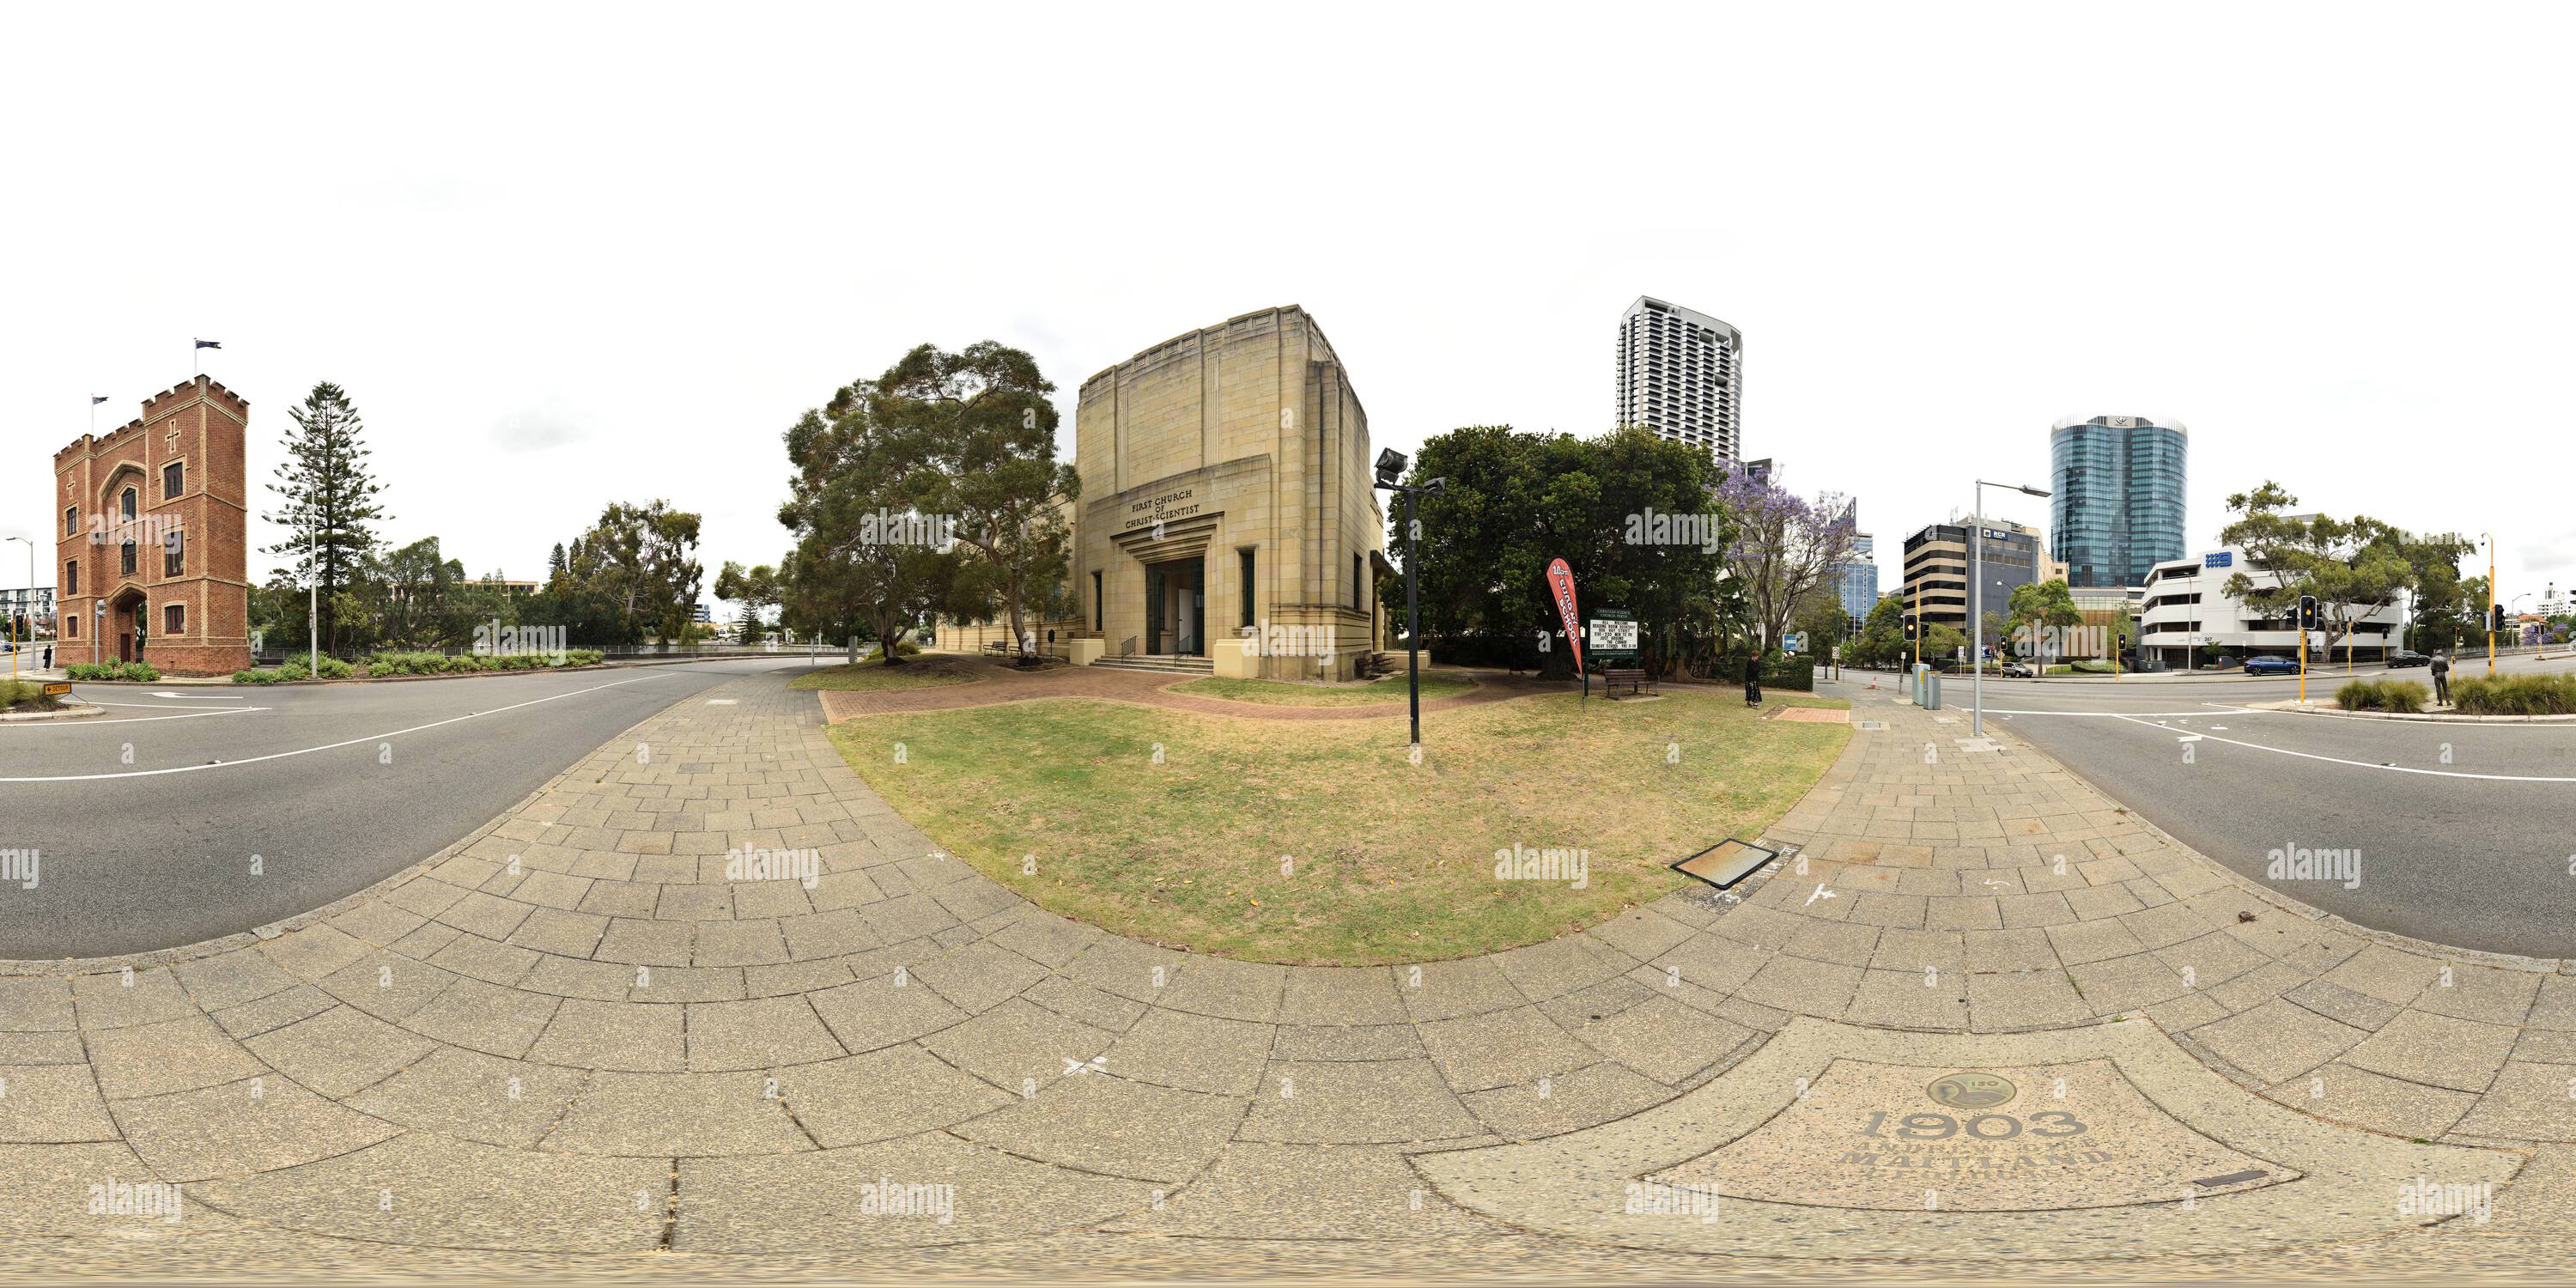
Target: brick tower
point(152, 526)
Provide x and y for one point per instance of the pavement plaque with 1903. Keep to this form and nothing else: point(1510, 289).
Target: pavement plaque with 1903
point(2019, 1138)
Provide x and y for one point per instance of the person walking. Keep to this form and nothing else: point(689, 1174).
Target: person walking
point(2442, 678)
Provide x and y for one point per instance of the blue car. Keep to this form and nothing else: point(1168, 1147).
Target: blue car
point(2271, 666)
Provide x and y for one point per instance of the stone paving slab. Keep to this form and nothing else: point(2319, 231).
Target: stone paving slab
point(612, 1050)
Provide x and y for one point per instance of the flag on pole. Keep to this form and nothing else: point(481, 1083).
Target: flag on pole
point(96, 399)
point(210, 344)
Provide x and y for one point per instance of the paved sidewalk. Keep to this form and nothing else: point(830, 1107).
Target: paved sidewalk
point(574, 1034)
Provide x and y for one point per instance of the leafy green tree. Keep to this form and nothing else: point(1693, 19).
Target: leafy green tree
point(638, 557)
point(424, 603)
point(868, 562)
point(754, 588)
point(2040, 605)
point(1628, 512)
point(980, 433)
point(327, 501)
point(2355, 567)
point(1823, 620)
point(1882, 634)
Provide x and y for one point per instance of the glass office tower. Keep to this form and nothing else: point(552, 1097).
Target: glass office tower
point(2117, 503)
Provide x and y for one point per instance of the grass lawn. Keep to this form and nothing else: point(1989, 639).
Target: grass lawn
point(1277, 693)
point(873, 675)
point(1384, 860)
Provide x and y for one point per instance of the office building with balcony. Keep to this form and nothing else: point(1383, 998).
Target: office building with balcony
point(1681, 374)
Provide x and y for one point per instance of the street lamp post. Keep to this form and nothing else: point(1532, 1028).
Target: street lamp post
point(1390, 467)
point(1977, 604)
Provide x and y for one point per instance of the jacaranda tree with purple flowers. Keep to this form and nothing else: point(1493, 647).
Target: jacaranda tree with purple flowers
point(1785, 549)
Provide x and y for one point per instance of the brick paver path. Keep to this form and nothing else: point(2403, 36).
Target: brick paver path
point(574, 1034)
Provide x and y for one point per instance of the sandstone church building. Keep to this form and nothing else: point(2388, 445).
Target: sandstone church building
point(151, 529)
point(1227, 512)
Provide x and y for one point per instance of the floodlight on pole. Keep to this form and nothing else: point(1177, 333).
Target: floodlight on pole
point(1977, 604)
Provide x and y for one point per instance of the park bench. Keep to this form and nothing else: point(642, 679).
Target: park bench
point(1637, 680)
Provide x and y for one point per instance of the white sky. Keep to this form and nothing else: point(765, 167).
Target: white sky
point(562, 254)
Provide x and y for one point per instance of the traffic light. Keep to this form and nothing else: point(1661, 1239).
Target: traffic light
point(2307, 612)
point(1911, 629)
point(2495, 621)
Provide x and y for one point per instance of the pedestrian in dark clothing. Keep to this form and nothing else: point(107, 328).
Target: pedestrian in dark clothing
point(2442, 679)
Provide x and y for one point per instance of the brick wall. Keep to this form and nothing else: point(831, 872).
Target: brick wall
point(202, 427)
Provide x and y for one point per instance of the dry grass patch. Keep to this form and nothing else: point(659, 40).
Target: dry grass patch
point(1289, 694)
point(1320, 842)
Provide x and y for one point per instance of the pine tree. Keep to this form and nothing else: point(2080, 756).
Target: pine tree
point(556, 564)
point(329, 498)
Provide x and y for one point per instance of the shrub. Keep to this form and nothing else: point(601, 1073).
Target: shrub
point(2516, 695)
point(294, 670)
point(2382, 695)
point(25, 695)
point(335, 669)
point(589, 657)
point(143, 671)
point(256, 676)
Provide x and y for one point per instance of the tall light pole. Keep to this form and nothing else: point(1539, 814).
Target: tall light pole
point(1390, 467)
point(1977, 603)
point(31, 607)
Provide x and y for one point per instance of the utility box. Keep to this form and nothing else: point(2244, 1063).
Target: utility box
point(1932, 690)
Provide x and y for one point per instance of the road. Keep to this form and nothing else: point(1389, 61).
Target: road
point(2462, 829)
point(146, 819)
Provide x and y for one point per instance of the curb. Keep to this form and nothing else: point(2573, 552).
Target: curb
point(74, 712)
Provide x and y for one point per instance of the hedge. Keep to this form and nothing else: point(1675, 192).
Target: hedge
point(2516, 695)
point(112, 671)
point(384, 664)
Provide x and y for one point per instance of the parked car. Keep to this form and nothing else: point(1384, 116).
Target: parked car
point(2271, 666)
point(2404, 657)
point(2014, 671)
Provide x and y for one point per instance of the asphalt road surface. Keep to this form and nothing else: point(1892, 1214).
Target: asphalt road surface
point(145, 819)
point(2466, 833)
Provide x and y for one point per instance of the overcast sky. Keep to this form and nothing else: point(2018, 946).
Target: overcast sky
point(561, 255)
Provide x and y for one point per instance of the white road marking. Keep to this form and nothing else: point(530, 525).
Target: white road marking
point(199, 697)
point(92, 724)
point(2119, 715)
point(2359, 764)
point(306, 751)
